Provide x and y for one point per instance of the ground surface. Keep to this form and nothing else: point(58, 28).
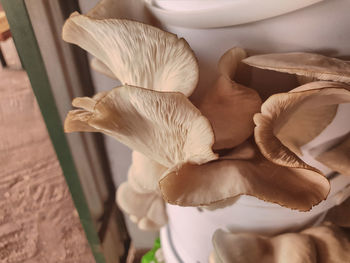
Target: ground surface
point(38, 221)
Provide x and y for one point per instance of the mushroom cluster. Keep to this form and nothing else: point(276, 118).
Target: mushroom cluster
point(231, 143)
point(327, 243)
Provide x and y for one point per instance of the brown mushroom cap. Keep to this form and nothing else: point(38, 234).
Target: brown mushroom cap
point(304, 64)
point(332, 243)
point(249, 248)
point(136, 53)
point(323, 244)
point(107, 9)
point(164, 126)
point(230, 62)
point(131, 9)
point(340, 214)
point(229, 106)
point(338, 158)
point(289, 120)
point(221, 180)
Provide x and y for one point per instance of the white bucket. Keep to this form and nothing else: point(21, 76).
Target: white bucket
point(220, 13)
point(187, 238)
point(208, 28)
point(295, 31)
point(210, 33)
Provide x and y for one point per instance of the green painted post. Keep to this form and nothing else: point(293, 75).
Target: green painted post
point(29, 53)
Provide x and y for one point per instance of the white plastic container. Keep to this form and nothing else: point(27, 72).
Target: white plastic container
point(213, 28)
point(187, 238)
point(220, 13)
point(322, 27)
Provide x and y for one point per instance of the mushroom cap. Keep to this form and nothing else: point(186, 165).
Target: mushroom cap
point(249, 248)
point(289, 120)
point(106, 9)
point(340, 214)
point(101, 67)
point(303, 64)
point(131, 9)
point(230, 62)
point(164, 126)
point(137, 54)
point(140, 197)
point(145, 209)
point(331, 242)
point(226, 179)
point(229, 106)
point(338, 157)
point(144, 173)
point(326, 243)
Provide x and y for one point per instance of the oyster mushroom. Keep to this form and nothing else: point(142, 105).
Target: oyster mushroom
point(229, 106)
point(144, 173)
point(137, 54)
point(164, 126)
point(310, 65)
point(100, 67)
point(326, 244)
point(340, 214)
point(289, 120)
point(249, 248)
point(331, 242)
point(140, 197)
point(225, 179)
point(131, 9)
point(338, 158)
point(145, 209)
point(230, 62)
point(107, 9)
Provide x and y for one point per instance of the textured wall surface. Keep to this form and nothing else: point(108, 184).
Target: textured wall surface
point(38, 221)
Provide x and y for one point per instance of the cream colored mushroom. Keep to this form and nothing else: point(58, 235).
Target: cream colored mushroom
point(100, 67)
point(230, 62)
point(107, 9)
point(249, 248)
point(223, 180)
point(304, 64)
point(131, 9)
point(164, 126)
point(144, 173)
point(140, 196)
point(145, 209)
point(332, 243)
point(338, 158)
point(229, 106)
point(323, 244)
point(76, 120)
point(137, 54)
point(289, 120)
